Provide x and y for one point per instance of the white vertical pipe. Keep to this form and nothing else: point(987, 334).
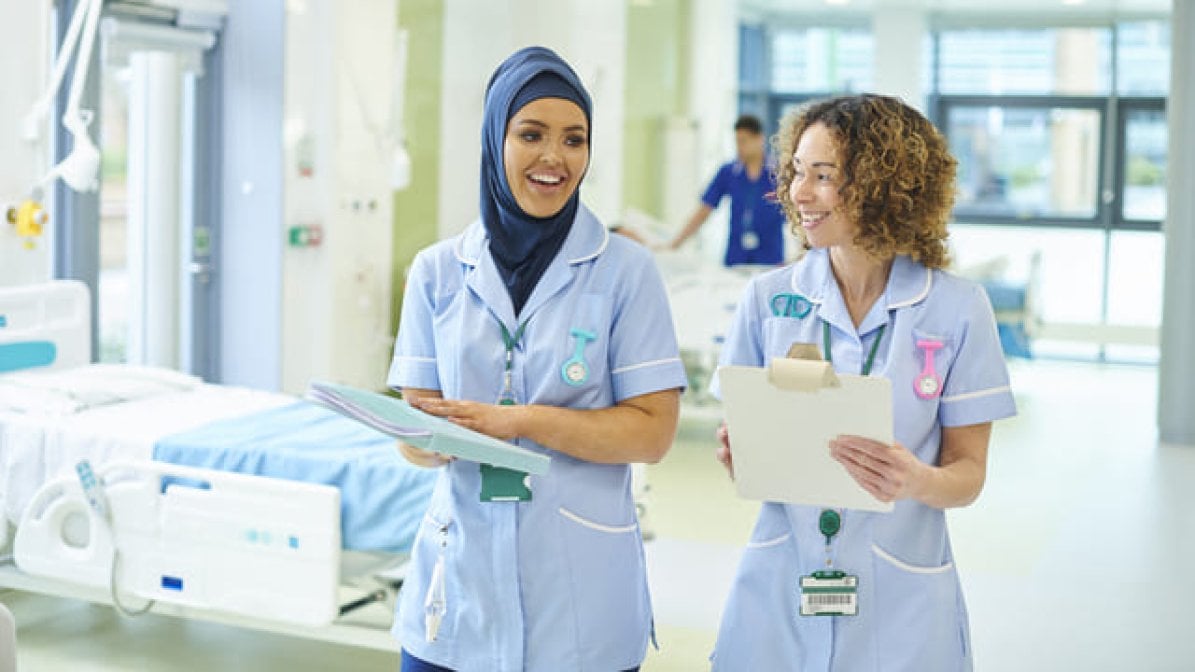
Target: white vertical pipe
point(713, 101)
point(1176, 368)
point(154, 219)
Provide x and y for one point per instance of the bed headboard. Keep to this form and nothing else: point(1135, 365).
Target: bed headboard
point(46, 325)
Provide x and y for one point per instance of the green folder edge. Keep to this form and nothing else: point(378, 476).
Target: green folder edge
point(443, 436)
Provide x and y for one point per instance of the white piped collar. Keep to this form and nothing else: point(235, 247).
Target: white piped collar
point(908, 282)
point(586, 240)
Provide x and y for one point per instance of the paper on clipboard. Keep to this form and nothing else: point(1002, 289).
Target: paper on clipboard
point(781, 420)
point(401, 420)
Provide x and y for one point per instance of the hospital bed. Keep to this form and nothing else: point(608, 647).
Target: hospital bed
point(703, 295)
point(57, 411)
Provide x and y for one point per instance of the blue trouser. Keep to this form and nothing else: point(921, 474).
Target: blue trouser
point(412, 664)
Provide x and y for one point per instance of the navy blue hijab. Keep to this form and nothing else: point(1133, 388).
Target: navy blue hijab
point(523, 246)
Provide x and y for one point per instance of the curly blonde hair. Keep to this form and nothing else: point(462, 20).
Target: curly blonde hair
point(899, 174)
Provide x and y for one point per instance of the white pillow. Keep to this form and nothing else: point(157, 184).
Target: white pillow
point(73, 390)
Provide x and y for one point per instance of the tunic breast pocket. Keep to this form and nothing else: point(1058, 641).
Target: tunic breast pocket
point(932, 354)
point(780, 333)
point(576, 370)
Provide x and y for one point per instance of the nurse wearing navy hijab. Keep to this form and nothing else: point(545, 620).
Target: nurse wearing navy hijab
point(538, 327)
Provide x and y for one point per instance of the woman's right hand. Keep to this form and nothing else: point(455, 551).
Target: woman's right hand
point(722, 452)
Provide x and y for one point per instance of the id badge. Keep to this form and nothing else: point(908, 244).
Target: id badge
point(499, 484)
point(749, 240)
point(829, 593)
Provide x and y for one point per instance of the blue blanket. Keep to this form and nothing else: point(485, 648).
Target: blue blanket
point(382, 497)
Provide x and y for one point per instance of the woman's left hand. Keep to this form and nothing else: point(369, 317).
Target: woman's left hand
point(500, 422)
point(888, 472)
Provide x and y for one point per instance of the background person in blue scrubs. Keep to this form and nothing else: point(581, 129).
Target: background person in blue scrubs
point(538, 326)
point(868, 184)
point(756, 233)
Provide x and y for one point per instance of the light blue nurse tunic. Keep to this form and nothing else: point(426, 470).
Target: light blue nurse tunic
point(911, 611)
point(558, 582)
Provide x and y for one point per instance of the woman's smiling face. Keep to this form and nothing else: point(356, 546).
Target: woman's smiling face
point(815, 189)
point(546, 153)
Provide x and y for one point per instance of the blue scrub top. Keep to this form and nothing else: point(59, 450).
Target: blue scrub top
point(557, 582)
point(752, 208)
point(911, 610)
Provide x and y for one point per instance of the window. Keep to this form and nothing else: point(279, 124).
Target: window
point(1061, 139)
point(1073, 61)
point(1026, 113)
point(781, 68)
point(1143, 163)
point(1025, 162)
point(822, 60)
point(1143, 58)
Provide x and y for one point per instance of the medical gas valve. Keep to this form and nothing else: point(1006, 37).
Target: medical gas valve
point(29, 218)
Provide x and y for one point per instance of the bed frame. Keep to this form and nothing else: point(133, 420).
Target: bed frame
point(48, 326)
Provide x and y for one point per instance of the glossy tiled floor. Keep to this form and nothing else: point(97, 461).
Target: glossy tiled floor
point(1078, 556)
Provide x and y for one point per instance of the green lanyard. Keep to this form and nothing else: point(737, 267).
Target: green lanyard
point(871, 356)
point(507, 398)
point(830, 521)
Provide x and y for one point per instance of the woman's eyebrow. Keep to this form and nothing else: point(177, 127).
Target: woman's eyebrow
point(540, 124)
point(817, 164)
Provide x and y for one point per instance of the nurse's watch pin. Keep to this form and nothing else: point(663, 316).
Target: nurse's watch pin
point(575, 370)
point(928, 384)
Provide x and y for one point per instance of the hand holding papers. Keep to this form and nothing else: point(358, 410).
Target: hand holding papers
point(781, 420)
point(400, 420)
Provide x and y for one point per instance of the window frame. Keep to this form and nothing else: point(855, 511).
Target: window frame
point(942, 105)
point(1124, 106)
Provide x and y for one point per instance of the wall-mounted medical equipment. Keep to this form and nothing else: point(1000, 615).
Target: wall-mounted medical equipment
point(233, 543)
point(28, 218)
point(80, 169)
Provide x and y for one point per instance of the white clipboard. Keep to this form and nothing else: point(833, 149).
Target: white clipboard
point(781, 420)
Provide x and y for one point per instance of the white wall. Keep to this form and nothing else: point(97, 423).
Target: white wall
point(713, 103)
point(898, 30)
point(339, 79)
point(23, 71)
point(1176, 371)
point(591, 36)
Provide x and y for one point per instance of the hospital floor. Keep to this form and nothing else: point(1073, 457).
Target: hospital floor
point(1079, 555)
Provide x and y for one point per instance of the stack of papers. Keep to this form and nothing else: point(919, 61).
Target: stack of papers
point(399, 419)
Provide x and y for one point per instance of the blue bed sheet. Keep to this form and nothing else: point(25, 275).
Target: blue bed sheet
point(382, 497)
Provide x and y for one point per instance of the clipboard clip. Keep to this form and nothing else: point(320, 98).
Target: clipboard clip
point(803, 369)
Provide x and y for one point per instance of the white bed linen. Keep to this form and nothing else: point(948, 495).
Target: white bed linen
point(37, 447)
